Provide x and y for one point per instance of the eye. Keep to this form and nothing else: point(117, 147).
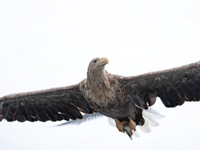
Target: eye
point(94, 61)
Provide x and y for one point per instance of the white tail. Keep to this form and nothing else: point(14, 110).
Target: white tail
point(150, 116)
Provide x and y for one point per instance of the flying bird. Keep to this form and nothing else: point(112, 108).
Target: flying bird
point(121, 98)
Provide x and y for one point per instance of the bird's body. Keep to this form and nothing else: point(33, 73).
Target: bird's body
point(110, 100)
point(121, 98)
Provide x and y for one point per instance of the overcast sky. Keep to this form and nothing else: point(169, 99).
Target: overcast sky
point(46, 44)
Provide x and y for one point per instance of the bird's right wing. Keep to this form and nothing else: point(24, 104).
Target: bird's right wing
point(53, 104)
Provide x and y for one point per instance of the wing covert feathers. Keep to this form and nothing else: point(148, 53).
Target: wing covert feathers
point(173, 86)
point(53, 104)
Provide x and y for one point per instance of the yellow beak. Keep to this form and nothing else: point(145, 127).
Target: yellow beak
point(103, 61)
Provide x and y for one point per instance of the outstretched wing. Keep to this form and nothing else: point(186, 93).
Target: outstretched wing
point(53, 104)
point(173, 86)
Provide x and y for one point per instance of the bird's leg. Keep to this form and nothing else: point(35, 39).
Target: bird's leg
point(120, 125)
point(132, 125)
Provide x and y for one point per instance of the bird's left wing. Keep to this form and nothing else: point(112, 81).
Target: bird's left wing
point(53, 104)
point(173, 86)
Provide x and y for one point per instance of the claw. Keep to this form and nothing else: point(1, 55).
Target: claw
point(128, 131)
point(132, 125)
point(127, 127)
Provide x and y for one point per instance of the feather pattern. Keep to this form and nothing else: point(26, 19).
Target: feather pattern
point(115, 96)
point(173, 86)
point(53, 104)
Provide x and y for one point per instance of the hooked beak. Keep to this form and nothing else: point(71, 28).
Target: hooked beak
point(103, 61)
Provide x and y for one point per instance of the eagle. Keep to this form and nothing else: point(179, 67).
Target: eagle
point(122, 98)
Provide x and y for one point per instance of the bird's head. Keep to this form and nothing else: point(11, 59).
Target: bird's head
point(96, 66)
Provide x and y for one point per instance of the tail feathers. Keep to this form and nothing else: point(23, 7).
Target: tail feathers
point(153, 113)
point(136, 133)
point(151, 121)
point(86, 117)
point(145, 128)
point(150, 115)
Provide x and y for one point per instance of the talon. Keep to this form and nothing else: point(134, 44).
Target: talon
point(132, 125)
point(120, 125)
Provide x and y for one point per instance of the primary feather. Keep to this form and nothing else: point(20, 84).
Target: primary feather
point(114, 96)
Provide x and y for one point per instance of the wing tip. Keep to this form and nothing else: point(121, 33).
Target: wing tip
point(1, 113)
point(1, 117)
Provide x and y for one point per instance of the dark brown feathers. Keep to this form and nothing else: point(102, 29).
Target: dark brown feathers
point(173, 86)
point(111, 95)
point(53, 104)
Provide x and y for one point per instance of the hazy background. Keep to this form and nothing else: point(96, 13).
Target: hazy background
point(46, 44)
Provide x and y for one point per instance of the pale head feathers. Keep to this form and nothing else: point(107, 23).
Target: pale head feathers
point(101, 89)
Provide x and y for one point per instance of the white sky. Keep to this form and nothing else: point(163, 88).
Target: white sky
point(46, 44)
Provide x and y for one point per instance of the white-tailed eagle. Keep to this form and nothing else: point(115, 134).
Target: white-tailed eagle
point(121, 98)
